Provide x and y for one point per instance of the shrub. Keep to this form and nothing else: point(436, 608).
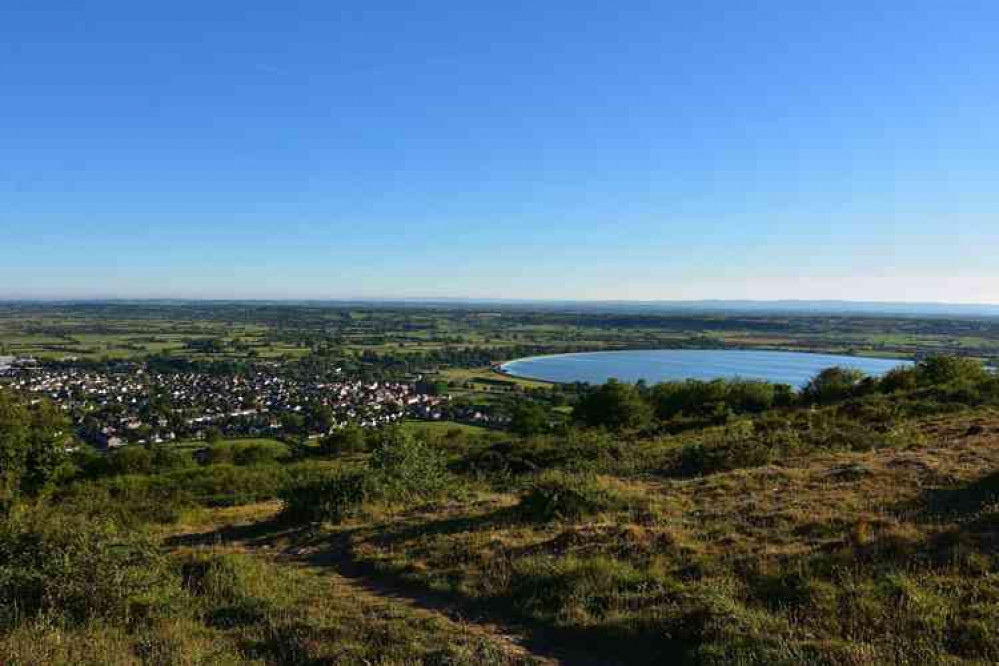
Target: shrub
point(349, 439)
point(561, 496)
point(333, 497)
point(169, 459)
point(401, 468)
point(252, 452)
point(832, 385)
point(404, 466)
point(80, 570)
point(695, 398)
point(32, 450)
point(528, 418)
point(615, 406)
point(738, 445)
point(574, 450)
point(939, 370)
point(131, 460)
point(898, 379)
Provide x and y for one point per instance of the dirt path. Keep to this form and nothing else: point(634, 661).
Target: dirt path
point(354, 580)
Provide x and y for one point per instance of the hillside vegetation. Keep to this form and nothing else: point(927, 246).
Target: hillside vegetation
point(854, 522)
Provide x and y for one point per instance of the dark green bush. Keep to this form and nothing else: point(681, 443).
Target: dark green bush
point(401, 468)
point(332, 497)
point(131, 460)
point(615, 406)
point(694, 398)
point(405, 466)
point(832, 385)
point(573, 450)
point(246, 453)
point(350, 439)
point(561, 496)
point(78, 570)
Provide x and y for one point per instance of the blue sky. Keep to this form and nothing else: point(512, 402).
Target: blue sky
point(591, 150)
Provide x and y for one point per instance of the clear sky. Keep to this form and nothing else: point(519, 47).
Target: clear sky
point(556, 149)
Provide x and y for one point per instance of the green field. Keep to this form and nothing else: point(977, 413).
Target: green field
point(441, 427)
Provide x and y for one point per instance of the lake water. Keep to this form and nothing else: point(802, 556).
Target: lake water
point(794, 368)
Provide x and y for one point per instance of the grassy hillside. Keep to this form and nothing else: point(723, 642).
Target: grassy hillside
point(729, 524)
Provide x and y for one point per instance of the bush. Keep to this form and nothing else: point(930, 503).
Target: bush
point(131, 460)
point(832, 385)
point(243, 453)
point(402, 468)
point(695, 398)
point(170, 459)
point(405, 466)
point(738, 445)
point(615, 406)
point(161, 498)
point(939, 370)
point(561, 496)
point(79, 570)
point(528, 418)
point(334, 497)
point(349, 439)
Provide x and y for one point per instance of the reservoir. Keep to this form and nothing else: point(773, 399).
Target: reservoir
point(659, 365)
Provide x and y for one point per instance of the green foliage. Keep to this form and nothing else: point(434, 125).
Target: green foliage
point(166, 458)
point(330, 497)
point(583, 450)
point(79, 571)
point(528, 418)
point(832, 385)
point(402, 468)
point(408, 466)
point(900, 379)
point(699, 398)
point(615, 406)
point(133, 499)
point(13, 446)
point(737, 445)
point(131, 460)
point(938, 370)
point(349, 439)
point(32, 448)
point(247, 452)
point(556, 495)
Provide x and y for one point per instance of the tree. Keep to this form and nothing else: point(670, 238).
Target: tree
point(46, 450)
point(293, 424)
point(615, 406)
point(320, 419)
point(13, 446)
point(131, 460)
point(832, 385)
point(349, 439)
point(937, 370)
point(32, 447)
point(528, 418)
point(898, 379)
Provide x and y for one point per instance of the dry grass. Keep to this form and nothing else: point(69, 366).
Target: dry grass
point(774, 555)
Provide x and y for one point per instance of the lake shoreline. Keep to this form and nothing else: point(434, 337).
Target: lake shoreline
point(660, 365)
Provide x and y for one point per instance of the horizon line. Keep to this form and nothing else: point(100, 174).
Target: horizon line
point(488, 299)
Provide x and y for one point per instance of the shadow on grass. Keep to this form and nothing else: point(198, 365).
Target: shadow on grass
point(945, 527)
point(961, 503)
point(586, 646)
point(605, 645)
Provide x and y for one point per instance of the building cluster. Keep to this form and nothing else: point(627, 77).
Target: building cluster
point(133, 404)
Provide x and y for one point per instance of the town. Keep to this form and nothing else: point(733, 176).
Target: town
point(129, 403)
